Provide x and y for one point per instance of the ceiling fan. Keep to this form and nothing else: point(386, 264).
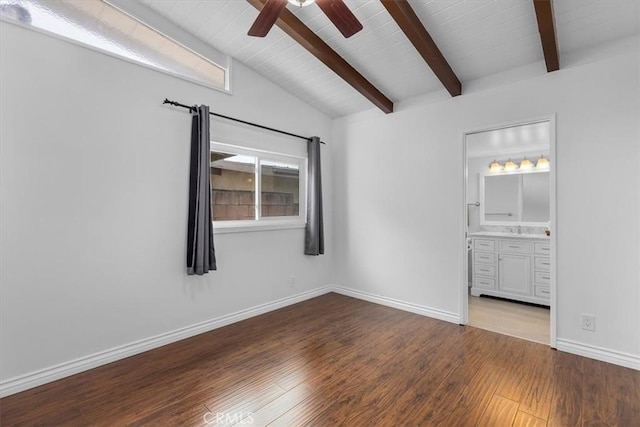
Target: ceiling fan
point(336, 11)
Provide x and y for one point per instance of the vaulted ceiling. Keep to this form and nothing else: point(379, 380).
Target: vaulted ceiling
point(478, 38)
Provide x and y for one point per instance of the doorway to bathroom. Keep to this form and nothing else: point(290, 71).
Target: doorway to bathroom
point(509, 282)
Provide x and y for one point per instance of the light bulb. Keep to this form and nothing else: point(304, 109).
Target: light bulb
point(510, 165)
point(495, 166)
point(526, 164)
point(543, 163)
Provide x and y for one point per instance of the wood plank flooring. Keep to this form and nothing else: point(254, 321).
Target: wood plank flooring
point(338, 361)
point(524, 321)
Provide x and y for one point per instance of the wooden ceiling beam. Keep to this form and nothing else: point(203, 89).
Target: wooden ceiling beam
point(302, 34)
point(547, 28)
point(404, 15)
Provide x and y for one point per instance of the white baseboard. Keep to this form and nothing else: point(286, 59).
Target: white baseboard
point(62, 370)
point(43, 376)
point(400, 305)
point(592, 352)
point(599, 353)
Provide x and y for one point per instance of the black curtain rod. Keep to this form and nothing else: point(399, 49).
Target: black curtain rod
point(191, 108)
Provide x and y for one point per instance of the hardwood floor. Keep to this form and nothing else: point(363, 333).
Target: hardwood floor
point(528, 322)
point(338, 361)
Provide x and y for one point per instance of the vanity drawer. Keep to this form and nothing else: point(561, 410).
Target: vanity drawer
point(542, 248)
point(542, 263)
point(542, 277)
point(484, 283)
point(515, 247)
point(542, 291)
point(484, 257)
point(484, 270)
point(484, 245)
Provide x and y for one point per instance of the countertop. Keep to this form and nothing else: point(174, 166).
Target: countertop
point(502, 234)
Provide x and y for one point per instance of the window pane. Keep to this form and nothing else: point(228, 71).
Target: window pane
point(232, 187)
point(98, 24)
point(280, 189)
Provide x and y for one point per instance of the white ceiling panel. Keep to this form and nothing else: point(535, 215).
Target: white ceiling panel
point(482, 37)
point(587, 23)
point(477, 37)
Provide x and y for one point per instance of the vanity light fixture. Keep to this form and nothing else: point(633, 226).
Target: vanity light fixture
point(526, 164)
point(543, 163)
point(495, 166)
point(510, 166)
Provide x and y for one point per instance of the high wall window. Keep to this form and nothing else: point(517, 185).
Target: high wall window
point(100, 25)
point(252, 187)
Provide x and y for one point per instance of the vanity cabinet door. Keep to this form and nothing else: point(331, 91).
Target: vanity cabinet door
point(514, 274)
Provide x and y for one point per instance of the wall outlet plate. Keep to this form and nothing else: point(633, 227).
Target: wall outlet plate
point(588, 322)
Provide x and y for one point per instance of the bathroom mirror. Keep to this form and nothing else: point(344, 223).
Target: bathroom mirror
point(516, 198)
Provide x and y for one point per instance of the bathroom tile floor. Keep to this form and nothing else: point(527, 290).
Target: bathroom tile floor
point(510, 318)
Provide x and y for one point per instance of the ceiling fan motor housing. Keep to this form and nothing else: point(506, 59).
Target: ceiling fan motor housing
point(301, 3)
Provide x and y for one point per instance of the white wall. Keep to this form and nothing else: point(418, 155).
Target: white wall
point(93, 199)
point(414, 254)
point(94, 185)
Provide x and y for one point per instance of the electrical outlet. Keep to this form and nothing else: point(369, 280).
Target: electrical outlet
point(589, 322)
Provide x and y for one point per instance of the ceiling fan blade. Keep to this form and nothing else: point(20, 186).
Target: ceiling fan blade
point(267, 17)
point(341, 16)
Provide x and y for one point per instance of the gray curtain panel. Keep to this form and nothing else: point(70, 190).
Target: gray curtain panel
point(314, 232)
point(201, 254)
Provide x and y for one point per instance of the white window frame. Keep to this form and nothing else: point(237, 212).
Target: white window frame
point(173, 32)
point(149, 18)
point(271, 222)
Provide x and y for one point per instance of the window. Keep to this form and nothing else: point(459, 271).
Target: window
point(100, 25)
point(252, 188)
